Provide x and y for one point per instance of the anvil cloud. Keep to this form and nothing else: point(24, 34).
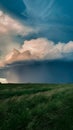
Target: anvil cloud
point(10, 28)
point(9, 24)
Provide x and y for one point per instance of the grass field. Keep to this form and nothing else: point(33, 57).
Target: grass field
point(36, 107)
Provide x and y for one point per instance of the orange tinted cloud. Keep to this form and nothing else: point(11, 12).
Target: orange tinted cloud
point(40, 49)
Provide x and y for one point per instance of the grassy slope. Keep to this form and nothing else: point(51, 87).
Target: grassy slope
point(36, 107)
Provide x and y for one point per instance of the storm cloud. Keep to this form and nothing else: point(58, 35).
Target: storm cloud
point(40, 49)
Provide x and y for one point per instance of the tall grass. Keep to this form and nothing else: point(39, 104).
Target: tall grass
point(36, 107)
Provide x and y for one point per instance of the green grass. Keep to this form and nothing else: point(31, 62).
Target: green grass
point(36, 107)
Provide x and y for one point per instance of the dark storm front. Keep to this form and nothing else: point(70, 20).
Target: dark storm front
point(39, 72)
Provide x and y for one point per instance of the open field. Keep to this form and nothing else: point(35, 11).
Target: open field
point(36, 107)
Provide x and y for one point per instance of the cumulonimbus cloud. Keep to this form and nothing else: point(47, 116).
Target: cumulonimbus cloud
point(40, 49)
point(46, 49)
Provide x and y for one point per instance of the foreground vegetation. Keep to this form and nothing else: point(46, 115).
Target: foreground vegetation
point(36, 107)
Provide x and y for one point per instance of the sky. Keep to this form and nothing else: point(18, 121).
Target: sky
point(37, 38)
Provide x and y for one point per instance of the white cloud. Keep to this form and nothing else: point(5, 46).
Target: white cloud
point(3, 80)
point(9, 24)
point(40, 49)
